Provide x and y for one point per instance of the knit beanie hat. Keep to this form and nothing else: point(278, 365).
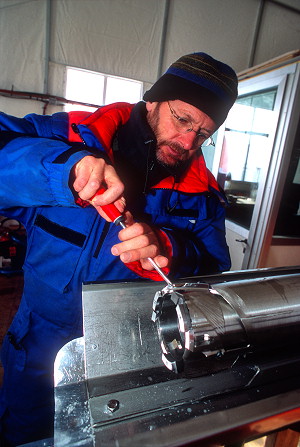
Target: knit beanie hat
point(199, 80)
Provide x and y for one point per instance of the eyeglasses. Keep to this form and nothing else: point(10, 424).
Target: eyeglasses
point(184, 125)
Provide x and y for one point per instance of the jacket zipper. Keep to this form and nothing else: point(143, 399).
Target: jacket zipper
point(77, 131)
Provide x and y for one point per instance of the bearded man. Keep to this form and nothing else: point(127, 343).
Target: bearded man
point(147, 155)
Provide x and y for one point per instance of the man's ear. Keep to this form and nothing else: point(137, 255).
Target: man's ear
point(150, 106)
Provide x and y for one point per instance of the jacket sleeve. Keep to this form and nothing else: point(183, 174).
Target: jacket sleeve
point(35, 172)
point(198, 249)
point(203, 249)
point(48, 126)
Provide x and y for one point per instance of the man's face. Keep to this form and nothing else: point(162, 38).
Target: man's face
point(180, 129)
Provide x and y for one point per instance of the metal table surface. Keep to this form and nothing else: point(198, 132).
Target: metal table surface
point(112, 388)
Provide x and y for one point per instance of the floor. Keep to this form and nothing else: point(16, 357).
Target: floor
point(10, 294)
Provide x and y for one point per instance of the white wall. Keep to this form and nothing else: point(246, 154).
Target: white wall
point(137, 39)
point(132, 38)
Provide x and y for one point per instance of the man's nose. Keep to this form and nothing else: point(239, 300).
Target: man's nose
point(187, 140)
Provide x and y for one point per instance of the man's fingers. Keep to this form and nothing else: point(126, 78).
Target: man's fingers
point(161, 261)
point(90, 174)
point(135, 250)
point(132, 242)
point(138, 242)
point(112, 179)
point(136, 255)
point(114, 188)
point(110, 195)
point(135, 230)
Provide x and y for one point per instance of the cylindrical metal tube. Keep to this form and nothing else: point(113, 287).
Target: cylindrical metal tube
point(231, 316)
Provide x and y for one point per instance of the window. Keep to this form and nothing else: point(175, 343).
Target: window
point(288, 219)
point(99, 89)
point(245, 152)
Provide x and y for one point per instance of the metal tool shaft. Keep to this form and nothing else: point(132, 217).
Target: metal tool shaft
point(153, 263)
point(118, 219)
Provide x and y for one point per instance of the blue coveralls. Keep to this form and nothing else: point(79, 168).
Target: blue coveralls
point(67, 246)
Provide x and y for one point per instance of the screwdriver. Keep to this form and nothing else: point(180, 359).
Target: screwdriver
point(118, 219)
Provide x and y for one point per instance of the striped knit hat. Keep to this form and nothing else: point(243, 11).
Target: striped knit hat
point(201, 81)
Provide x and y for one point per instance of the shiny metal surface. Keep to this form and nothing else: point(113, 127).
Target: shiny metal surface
point(238, 315)
point(118, 392)
point(69, 363)
point(72, 417)
point(269, 308)
point(119, 335)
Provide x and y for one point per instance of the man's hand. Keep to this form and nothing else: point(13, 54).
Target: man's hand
point(139, 242)
point(90, 174)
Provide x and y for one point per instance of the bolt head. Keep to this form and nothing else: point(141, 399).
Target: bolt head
point(113, 405)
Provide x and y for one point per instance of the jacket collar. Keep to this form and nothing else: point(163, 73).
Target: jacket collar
point(125, 127)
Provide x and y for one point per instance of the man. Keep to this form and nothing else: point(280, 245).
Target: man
point(52, 166)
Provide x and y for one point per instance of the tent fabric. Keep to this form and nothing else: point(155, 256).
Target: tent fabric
point(136, 39)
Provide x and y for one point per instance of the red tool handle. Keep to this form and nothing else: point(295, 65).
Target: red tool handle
point(118, 219)
point(111, 210)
